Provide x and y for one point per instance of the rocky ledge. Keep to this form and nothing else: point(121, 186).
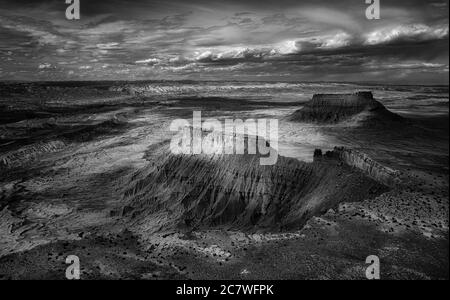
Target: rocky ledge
point(362, 162)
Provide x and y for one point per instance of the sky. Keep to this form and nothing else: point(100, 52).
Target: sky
point(282, 40)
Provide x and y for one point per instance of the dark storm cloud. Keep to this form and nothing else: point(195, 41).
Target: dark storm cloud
point(277, 40)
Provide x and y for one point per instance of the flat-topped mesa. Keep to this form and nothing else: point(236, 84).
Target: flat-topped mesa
point(235, 191)
point(334, 108)
point(359, 99)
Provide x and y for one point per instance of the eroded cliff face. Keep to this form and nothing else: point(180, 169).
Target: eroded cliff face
point(334, 108)
point(235, 191)
point(363, 163)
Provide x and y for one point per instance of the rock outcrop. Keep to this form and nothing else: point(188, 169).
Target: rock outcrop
point(29, 153)
point(362, 162)
point(334, 108)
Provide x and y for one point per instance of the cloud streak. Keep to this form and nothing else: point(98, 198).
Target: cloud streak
point(282, 40)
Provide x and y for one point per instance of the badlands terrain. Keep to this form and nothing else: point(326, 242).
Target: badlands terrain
point(86, 170)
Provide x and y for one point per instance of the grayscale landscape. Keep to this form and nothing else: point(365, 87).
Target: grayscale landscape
point(89, 171)
point(87, 167)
